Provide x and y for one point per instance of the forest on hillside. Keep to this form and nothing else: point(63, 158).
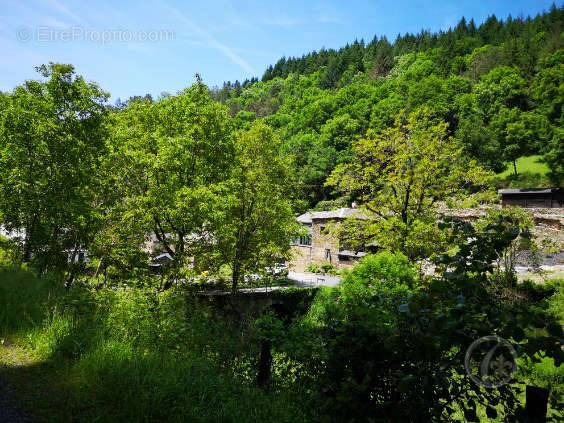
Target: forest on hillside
point(139, 241)
point(498, 85)
point(398, 128)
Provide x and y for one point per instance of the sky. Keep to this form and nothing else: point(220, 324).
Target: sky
point(136, 47)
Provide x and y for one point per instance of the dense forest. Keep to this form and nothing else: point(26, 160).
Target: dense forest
point(498, 85)
point(139, 241)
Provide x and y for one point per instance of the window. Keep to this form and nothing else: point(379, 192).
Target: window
point(322, 229)
point(301, 240)
point(327, 254)
point(305, 240)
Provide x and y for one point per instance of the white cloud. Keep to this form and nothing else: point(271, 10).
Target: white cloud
point(282, 21)
point(210, 39)
point(55, 4)
point(330, 19)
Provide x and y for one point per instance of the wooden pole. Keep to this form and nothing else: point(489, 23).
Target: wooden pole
point(536, 404)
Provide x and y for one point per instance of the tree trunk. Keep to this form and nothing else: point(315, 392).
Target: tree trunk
point(27, 247)
point(536, 404)
point(73, 267)
point(97, 274)
point(265, 363)
point(235, 276)
point(70, 279)
point(515, 167)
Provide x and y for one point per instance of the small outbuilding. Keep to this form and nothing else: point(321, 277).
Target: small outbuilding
point(532, 197)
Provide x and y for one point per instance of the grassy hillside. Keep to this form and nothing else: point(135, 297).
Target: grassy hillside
point(531, 173)
point(110, 356)
point(527, 164)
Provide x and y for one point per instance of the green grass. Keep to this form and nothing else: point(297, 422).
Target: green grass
point(135, 355)
point(116, 356)
point(527, 164)
point(532, 173)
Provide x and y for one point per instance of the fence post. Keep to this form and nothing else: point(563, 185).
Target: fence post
point(536, 404)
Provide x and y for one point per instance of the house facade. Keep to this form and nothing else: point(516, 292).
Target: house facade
point(320, 246)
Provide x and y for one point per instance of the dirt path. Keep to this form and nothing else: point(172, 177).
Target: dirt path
point(8, 413)
point(9, 357)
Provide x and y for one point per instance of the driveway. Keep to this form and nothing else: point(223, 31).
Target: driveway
point(306, 280)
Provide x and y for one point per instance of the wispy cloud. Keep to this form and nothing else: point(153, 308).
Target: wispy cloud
point(210, 39)
point(57, 5)
point(233, 22)
point(50, 21)
point(330, 19)
point(245, 51)
point(282, 21)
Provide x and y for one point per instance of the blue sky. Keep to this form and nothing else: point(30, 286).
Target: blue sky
point(136, 47)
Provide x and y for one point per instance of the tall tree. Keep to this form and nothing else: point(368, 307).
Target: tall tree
point(400, 174)
point(257, 222)
point(167, 158)
point(52, 137)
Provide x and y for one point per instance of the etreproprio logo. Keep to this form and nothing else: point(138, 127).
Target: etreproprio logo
point(490, 361)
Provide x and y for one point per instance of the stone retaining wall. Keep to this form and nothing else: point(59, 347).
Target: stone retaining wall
point(553, 218)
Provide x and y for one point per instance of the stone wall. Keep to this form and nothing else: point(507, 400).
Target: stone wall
point(549, 222)
point(321, 240)
point(549, 225)
point(551, 217)
point(301, 258)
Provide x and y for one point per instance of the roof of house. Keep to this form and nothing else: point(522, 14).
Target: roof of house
point(528, 190)
point(341, 213)
point(349, 253)
point(162, 256)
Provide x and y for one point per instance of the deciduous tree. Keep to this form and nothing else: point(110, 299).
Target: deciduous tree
point(52, 138)
point(400, 174)
point(256, 222)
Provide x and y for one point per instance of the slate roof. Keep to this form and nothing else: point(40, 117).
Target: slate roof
point(528, 190)
point(349, 253)
point(341, 213)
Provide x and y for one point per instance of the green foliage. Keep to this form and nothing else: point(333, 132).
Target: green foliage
point(382, 273)
point(254, 221)
point(129, 355)
point(399, 175)
point(8, 251)
point(497, 85)
point(385, 358)
point(167, 162)
point(313, 268)
point(52, 139)
point(554, 157)
point(323, 268)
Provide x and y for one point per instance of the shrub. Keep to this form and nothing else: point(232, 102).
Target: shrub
point(327, 267)
point(313, 268)
point(384, 272)
point(8, 251)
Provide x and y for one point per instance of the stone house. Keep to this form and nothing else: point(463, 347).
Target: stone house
point(320, 246)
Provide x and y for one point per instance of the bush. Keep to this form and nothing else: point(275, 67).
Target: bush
point(324, 268)
point(384, 272)
point(138, 355)
point(313, 268)
point(8, 251)
point(327, 267)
